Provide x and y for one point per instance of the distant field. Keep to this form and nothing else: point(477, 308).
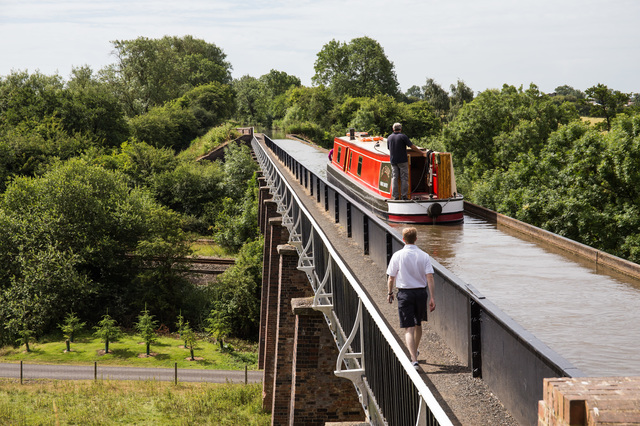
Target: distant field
point(592, 120)
point(40, 402)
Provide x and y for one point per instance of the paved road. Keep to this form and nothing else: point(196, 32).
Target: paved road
point(89, 372)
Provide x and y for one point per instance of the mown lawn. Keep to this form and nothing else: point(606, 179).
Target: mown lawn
point(49, 402)
point(130, 351)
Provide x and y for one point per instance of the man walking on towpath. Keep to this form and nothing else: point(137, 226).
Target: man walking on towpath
point(398, 143)
point(410, 270)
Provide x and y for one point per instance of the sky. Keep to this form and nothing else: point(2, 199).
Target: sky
point(485, 43)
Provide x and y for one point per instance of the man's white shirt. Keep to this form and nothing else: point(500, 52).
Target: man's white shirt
point(416, 264)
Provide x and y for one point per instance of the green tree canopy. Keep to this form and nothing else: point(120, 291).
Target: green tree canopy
point(178, 122)
point(146, 328)
point(90, 107)
point(251, 100)
point(108, 331)
point(357, 68)
point(73, 239)
point(606, 102)
point(569, 91)
point(310, 104)
point(497, 126)
point(150, 72)
point(436, 96)
point(278, 82)
point(236, 294)
point(414, 93)
point(28, 97)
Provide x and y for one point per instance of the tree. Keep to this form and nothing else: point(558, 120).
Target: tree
point(606, 102)
point(251, 100)
point(236, 294)
point(70, 327)
point(377, 114)
point(26, 336)
point(573, 96)
point(28, 97)
point(275, 86)
point(436, 96)
point(569, 91)
point(78, 237)
point(150, 72)
point(236, 221)
point(460, 93)
point(107, 331)
point(357, 68)
point(146, 327)
point(414, 93)
point(498, 126)
point(314, 105)
point(239, 167)
point(46, 279)
point(211, 104)
point(22, 324)
point(163, 281)
point(420, 120)
point(89, 106)
point(181, 324)
point(218, 324)
point(278, 82)
point(176, 123)
point(140, 162)
point(190, 339)
point(168, 126)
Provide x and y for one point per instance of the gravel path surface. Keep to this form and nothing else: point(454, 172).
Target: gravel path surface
point(467, 400)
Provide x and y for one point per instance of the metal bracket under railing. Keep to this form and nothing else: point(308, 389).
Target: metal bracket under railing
point(295, 233)
point(350, 365)
point(323, 300)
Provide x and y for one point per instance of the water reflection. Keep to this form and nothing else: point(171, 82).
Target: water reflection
point(588, 316)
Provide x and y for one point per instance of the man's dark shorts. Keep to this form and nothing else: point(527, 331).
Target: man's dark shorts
point(412, 306)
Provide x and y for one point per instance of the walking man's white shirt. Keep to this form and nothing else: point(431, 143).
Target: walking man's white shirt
point(410, 270)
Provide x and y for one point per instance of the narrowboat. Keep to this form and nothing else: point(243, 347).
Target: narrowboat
point(359, 166)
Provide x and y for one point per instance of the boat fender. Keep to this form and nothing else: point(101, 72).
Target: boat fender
point(434, 210)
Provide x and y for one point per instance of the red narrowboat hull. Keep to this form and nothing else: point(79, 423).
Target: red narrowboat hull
point(360, 167)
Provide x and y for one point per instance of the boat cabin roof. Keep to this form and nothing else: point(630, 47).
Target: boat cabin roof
point(375, 144)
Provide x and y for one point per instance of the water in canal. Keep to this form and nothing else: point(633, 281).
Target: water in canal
point(590, 317)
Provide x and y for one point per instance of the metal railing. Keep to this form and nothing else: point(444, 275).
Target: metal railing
point(510, 360)
point(390, 389)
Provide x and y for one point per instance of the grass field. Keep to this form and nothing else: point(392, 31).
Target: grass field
point(130, 351)
point(104, 402)
point(57, 402)
point(592, 120)
point(205, 248)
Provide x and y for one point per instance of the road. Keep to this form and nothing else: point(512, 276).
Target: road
point(89, 372)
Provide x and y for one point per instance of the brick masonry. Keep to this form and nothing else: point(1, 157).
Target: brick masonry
point(268, 210)
point(292, 284)
point(278, 236)
point(590, 401)
point(317, 395)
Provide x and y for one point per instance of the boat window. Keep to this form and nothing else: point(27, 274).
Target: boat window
point(349, 161)
point(359, 165)
point(339, 153)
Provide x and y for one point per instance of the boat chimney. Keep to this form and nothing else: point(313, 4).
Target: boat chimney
point(352, 134)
